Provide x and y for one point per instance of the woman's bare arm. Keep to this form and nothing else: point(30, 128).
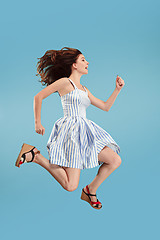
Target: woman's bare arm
point(96, 101)
point(102, 104)
point(56, 86)
point(37, 109)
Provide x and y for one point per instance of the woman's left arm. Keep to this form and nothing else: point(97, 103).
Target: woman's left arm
point(106, 105)
point(119, 85)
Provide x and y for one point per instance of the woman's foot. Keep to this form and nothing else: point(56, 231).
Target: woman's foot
point(93, 198)
point(27, 154)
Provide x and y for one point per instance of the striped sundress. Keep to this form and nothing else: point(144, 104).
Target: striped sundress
point(75, 141)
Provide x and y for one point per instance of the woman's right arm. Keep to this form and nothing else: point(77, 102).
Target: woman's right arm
point(37, 109)
point(56, 86)
point(37, 115)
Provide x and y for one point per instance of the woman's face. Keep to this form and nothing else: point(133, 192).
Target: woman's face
point(81, 64)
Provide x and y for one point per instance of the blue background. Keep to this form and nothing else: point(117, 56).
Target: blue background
point(118, 37)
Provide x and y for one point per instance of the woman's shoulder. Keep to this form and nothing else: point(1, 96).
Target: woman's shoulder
point(56, 86)
point(65, 86)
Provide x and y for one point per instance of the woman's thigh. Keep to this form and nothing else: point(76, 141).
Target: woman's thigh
point(108, 156)
point(73, 176)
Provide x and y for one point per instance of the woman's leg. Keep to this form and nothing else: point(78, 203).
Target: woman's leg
point(111, 160)
point(67, 177)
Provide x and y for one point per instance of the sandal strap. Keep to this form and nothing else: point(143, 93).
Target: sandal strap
point(95, 202)
point(97, 206)
point(89, 192)
point(33, 154)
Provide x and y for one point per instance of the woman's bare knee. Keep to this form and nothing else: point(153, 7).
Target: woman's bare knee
point(108, 156)
point(73, 178)
point(116, 161)
point(71, 187)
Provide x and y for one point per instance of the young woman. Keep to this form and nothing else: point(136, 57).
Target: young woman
point(75, 142)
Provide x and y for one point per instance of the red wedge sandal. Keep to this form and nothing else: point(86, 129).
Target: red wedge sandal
point(26, 148)
point(86, 197)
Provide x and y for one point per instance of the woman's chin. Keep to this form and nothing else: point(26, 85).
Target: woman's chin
point(86, 72)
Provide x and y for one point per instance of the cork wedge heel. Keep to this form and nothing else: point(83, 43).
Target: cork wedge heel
point(26, 148)
point(86, 197)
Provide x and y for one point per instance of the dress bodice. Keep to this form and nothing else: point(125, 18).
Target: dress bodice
point(75, 102)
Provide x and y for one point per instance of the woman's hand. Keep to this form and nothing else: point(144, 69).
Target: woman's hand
point(119, 83)
point(39, 128)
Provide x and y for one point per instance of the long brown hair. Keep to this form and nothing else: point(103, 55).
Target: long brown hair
point(55, 64)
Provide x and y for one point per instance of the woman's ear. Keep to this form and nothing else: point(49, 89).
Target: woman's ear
point(74, 65)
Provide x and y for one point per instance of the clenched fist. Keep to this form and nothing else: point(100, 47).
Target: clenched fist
point(119, 83)
point(39, 128)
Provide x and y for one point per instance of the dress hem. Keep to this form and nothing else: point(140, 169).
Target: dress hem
point(113, 146)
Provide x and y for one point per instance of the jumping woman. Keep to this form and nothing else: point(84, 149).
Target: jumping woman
point(75, 142)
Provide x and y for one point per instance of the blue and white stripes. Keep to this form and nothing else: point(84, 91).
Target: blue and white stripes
point(75, 141)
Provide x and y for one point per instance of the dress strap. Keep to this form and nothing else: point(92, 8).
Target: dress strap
point(72, 83)
point(76, 86)
point(85, 88)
